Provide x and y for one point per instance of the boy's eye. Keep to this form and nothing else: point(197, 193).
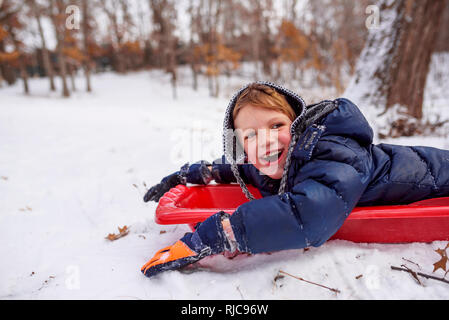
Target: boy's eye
point(250, 135)
point(277, 125)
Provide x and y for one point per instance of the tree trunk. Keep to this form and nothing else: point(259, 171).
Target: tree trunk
point(171, 64)
point(411, 64)
point(173, 83)
point(86, 64)
point(45, 55)
point(63, 72)
point(195, 76)
point(442, 43)
point(87, 75)
point(21, 62)
point(59, 26)
point(24, 75)
point(115, 33)
point(72, 71)
point(216, 92)
point(393, 66)
point(256, 33)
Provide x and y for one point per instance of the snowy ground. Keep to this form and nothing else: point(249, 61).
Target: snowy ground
point(67, 173)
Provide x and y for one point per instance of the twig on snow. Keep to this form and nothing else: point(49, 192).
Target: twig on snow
point(317, 284)
point(412, 262)
point(421, 274)
point(241, 294)
point(413, 273)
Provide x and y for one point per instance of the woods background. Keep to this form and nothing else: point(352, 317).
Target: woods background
point(300, 43)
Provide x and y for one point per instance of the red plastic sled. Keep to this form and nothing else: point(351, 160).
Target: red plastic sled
point(422, 221)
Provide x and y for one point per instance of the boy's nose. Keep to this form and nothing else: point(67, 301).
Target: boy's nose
point(268, 139)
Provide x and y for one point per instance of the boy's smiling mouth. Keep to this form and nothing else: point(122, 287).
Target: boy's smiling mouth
point(271, 157)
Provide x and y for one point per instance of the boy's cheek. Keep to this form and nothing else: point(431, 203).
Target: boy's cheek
point(285, 137)
point(252, 156)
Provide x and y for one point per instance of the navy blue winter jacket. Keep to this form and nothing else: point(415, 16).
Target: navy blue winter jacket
point(329, 175)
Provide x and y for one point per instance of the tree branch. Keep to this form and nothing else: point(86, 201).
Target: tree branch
point(317, 284)
point(420, 274)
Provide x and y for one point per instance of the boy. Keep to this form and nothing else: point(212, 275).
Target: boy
point(312, 164)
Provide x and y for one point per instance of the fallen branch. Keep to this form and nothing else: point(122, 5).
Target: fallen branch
point(317, 284)
point(413, 273)
point(420, 274)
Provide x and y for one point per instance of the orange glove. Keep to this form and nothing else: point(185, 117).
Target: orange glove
point(209, 238)
point(169, 258)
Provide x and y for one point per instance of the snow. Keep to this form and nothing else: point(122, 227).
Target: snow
point(72, 171)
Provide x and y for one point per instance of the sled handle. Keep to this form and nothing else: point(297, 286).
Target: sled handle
point(172, 196)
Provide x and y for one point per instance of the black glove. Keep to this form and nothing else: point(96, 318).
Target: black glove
point(170, 181)
point(197, 173)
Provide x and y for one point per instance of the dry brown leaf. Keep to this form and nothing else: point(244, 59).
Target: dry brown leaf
point(124, 229)
point(442, 263)
point(122, 232)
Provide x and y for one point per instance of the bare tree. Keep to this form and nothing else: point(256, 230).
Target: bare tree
point(111, 8)
point(86, 39)
point(195, 27)
point(18, 45)
point(57, 15)
point(256, 32)
point(37, 11)
point(213, 15)
point(164, 18)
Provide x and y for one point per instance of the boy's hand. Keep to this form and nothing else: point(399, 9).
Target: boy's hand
point(198, 173)
point(209, 238)
point(170, 181)
point(174, 257)
point(158, 190)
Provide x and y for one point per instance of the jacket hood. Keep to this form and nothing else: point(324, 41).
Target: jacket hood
point(305, 116)
point(234, 152)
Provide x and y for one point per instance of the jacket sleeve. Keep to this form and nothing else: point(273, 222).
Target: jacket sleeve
point(222, 173)
point(203, 172)
point(325, 190)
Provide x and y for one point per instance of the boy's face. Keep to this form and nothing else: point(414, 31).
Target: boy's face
point(265, 135)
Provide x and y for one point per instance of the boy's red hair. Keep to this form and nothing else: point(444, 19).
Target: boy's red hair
point(260, 95)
